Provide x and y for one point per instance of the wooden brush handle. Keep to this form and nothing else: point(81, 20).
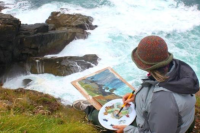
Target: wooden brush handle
point(128, 98)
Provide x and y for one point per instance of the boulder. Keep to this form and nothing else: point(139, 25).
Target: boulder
point(71, 20)
point(79, 33)
point(41, 44)
point(33, 29)
point(61, 66)
point(13, 70)
point(18, 42)
point(9, 28)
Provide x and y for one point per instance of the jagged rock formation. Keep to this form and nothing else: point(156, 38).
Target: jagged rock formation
point(69, 20)
point(18, 42)
point(39, 41)
point(75, 23)
point(61, 66)
point(9, 29)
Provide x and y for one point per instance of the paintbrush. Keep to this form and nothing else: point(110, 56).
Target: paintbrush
point(125, 103)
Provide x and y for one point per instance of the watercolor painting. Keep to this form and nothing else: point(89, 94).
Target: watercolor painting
point(102, 86)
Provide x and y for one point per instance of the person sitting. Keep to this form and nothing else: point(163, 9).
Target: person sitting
point(165, 101)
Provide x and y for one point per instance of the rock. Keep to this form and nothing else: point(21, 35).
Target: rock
point(80, 33)
point(62, 66)
point(69, 20)
point(33, 29)
point(9, 28)
point(10, 22)
point(26, 82)
point(41, 44)
point(51, 27)
point(15, 70)
point(19, 41)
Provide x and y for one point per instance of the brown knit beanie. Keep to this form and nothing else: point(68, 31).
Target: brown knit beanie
point(151, 53)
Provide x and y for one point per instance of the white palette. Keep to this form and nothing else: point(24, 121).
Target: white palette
point(111, 120)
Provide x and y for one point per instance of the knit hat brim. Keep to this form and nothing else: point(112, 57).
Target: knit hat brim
point(149, 66)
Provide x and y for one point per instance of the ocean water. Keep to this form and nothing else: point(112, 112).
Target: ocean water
point(121, 25)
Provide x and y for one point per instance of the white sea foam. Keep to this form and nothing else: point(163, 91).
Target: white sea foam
point(8, 1)
point(9, 4)
point(120, 27)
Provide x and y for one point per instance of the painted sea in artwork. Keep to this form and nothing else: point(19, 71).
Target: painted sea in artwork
point(104, 86)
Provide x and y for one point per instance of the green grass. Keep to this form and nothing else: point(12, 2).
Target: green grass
point(43, 124)
point(25, 111)
point(198, 101)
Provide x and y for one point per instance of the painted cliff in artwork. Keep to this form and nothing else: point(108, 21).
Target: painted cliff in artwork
point(103, 85)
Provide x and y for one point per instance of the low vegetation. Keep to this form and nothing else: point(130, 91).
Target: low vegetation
point(197, 119)
point(26, 111)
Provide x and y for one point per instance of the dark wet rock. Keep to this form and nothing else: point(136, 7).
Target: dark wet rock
point(71, 20)
point(62, 66)
point(51, 42)
point(9, 28)
point(26, 82)
point(18, 42)
point(79, 33)
point(13, 70)
point(51, 27)
point(33, 29)
point(6, 19)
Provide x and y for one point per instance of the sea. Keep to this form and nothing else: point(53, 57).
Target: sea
point(121, 25)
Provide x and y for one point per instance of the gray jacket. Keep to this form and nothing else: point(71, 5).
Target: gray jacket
point(166, 107)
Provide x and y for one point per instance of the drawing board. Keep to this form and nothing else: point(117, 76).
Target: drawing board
point(102, 86)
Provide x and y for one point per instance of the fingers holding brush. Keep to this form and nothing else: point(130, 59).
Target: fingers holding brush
point(126, 98)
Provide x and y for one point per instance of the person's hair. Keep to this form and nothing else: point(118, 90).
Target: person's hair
point(160, 74)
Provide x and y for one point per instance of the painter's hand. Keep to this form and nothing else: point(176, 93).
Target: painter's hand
point(120, 128)
point(126, 100)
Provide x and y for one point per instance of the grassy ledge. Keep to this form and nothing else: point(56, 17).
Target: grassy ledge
point(197, 112)
point(26, 111)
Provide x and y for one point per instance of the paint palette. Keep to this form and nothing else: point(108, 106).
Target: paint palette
point(107, 114)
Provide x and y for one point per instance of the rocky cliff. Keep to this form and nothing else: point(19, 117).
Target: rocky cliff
point(19, 42)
